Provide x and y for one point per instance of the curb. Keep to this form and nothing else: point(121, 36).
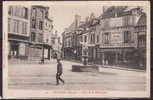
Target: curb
point(127, 69)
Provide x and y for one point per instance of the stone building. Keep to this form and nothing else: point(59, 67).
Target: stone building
point(141, 32)
point(118, 37)
point(70, 39)
point(40, 31)
point(67, 44)
point(18, 32)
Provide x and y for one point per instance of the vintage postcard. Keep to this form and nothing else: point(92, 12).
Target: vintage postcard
point(76, 49)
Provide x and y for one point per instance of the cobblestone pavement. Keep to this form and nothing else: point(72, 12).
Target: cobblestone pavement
point(42, 77)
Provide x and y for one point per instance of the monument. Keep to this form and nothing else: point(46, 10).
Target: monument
point(84, 67)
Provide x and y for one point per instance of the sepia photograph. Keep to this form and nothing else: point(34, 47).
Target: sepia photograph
point(76, 49)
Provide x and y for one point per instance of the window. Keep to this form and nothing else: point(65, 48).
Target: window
point(10, 11)
point(41, 13)
point(40, 25)
point(97, 38)
point(24, 28)
point(46, 14)
point(26, 13)
point(93, 38)
point(141, 40)
point(34, 13)
point(15, 26)
point(81, 38)
point(127, 36)
point(33, 36)
point(16, 11)
point(85, 38)
point(9, 25)
point(33, 23)
point(23, 13)
point(106, 38)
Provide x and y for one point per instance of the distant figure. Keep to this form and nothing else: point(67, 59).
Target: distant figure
point(59, 72)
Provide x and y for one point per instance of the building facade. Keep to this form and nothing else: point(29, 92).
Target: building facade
point(40, 32)
point(70, 38)
point(18, 31)
point(118, 37)
point(141, 31)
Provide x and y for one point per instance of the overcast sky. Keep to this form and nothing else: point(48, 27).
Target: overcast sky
point(63, 13)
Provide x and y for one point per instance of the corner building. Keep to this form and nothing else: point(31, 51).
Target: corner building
point(40, 31)
point(118, 37)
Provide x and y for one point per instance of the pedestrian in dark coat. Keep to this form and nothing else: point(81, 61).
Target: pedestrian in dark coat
point(59, 72)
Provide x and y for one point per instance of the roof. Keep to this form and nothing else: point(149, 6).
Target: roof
point(118, 11)
point(142, 20)
point(40, 6)
point(110, 12)
point(49, 19)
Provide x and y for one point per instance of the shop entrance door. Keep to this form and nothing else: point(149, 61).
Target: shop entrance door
point(14, 51)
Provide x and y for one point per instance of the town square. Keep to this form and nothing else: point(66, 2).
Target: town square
point(72, 47)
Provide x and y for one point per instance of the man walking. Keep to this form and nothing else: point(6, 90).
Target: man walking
point(59, 72)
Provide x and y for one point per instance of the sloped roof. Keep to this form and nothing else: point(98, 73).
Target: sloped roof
point(110, 12)
point(142, 20)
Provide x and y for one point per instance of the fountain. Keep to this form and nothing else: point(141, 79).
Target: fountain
point(85, 67)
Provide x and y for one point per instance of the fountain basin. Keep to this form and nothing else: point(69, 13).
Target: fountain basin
point(85, 68)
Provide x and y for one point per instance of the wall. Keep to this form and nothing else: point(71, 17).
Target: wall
point(19, 20)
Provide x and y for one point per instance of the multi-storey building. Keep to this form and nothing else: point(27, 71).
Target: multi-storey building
point(140, 30)
point(18, 31)
point(112, 38)
point(67, 44)
point(118, 37)
point(92, 35)
point(70, 45)
point(41, 30)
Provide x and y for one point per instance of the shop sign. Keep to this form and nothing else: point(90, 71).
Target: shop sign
point(116, 38)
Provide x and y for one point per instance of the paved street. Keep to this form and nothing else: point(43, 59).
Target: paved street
point(38, 76)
